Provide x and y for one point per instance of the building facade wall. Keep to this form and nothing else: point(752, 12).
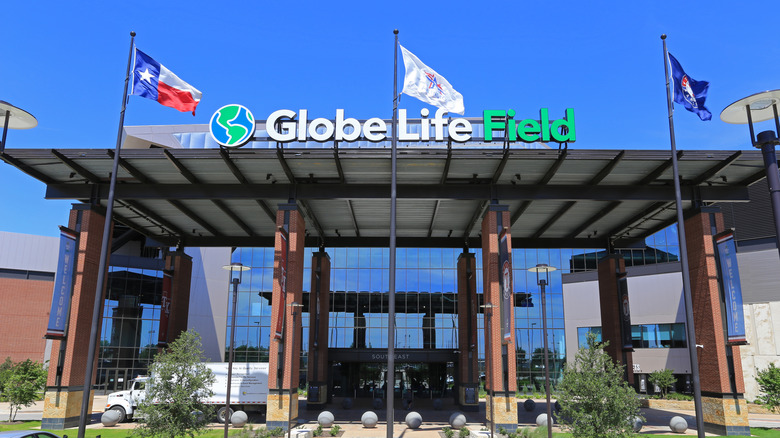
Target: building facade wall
point(27, 266)
point(654, 299)
point(759, 273)
point(24, 316)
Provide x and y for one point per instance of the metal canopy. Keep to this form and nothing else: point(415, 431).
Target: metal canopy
point(557, 198)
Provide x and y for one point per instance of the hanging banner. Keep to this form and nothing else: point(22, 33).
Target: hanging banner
point(63, 285)
point(165, 310)
point(279, 332)
point(625, 311)
point(730, 285)
point(505, 285)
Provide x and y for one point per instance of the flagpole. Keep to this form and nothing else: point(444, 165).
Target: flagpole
point(684, 258)
point(391, 295)
point(93, 334)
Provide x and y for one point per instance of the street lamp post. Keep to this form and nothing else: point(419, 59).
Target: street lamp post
point(531, 356)
point(758, 108)
point(543, 281)
point(295, 307)
point(236, 273)
point(489, 361)
point(12, 117)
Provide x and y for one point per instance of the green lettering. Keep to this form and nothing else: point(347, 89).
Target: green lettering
point(510, 125)
point(489, 124)
point(568, 134)
point(528, 130)
point(545, 121)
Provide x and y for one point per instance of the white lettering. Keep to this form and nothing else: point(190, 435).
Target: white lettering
point(288, 125)
point(282, 126)
point(403, 135)
point(321, 136)
point(460, 130)
point(425, 128)
point(303, 119)
point(341, 123)
point(375, 129)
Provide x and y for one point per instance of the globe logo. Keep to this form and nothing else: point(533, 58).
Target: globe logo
point(232, 125)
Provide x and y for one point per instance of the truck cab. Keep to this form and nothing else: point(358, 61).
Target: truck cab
point(126, 402)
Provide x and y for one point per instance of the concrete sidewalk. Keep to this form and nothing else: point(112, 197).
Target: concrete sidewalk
point(657, 421)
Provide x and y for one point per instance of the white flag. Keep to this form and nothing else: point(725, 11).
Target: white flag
point(424, 83)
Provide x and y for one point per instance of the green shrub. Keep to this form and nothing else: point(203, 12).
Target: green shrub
point(769, 384)
point(335, 430)
point(679, 396)
point(448, 432)
point(465, 432)
point(595, 399)
point(317, 431)
point(24, 380)
point(663, 379)
point(276, 432)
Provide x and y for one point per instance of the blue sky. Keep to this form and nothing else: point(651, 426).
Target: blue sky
point(65, 63)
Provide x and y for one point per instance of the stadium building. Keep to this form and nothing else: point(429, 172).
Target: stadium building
point(308, 214)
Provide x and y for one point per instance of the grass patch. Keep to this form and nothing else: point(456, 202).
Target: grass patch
point(103, 432)
point(763, 432)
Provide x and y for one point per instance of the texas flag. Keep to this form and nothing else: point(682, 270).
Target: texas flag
point(153, 81)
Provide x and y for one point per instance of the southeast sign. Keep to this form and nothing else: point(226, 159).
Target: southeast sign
point(286, 125)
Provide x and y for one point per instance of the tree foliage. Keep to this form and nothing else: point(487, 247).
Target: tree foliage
point(595, 399)
point(663, 379)
point(5, 373)
point(769, 383)
point(178, 385)
point(23, 382)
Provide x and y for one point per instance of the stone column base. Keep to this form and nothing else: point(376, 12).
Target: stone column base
point(62, 409)
point(279, 411)
point(725, 414)
point(504, 411)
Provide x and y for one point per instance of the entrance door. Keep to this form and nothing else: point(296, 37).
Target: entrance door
point(367, 380)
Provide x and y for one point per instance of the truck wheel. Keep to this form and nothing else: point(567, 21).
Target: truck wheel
point(221, 414)
point(121, 411)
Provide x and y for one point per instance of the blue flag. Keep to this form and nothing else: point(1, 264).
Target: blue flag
point(688, 92)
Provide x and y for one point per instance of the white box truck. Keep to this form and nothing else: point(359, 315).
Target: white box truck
point(248, 390)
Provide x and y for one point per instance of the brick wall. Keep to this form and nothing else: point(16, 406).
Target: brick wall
point(492, 295)
point(24, 316)
point(708, 321)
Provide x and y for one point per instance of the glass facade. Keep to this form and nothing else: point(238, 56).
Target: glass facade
point(426, 318)
point(131, 319)
point(426, 285)
point(645, 335)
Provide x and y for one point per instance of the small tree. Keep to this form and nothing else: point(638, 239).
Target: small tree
point(663, 379)
point(26, 379)
point(5, 373)
point(769, 383)
point(178, 385)
point(595, 400)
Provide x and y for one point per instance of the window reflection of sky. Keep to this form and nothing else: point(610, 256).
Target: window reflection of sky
point(428, 272)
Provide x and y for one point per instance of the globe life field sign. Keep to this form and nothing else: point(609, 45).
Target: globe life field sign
point(229, 127)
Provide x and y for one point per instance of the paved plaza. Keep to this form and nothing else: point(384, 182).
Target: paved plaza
point(433, 420)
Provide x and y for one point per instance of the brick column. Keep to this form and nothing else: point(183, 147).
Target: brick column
point(285, 352)
point(319, 306)
point(179, 266)
point(65, 384)
point(720, 367)
point(468, 366)
point(501, 376)
point(615, 314)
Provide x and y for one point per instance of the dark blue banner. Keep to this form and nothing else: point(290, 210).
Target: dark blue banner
point(63, 285)
point(505, 285)
point(732, 288)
